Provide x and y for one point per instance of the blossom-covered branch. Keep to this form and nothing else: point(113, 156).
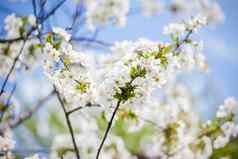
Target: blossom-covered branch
point(123, 102)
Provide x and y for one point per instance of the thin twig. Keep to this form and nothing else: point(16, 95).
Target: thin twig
point(109, 125)
point(81, 107)
point(32, 29)
point(54, 10)
point(183, 41)
point(77, 14)
point(108, 128)
point(8, 102)
point(12, 67)
point(34, 7)
point(68, 123)
point(12, 40)
point(21, 62)
point(42, 8)
point(74, 110)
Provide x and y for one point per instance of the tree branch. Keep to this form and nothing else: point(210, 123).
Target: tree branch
point(8, 102)
point(68, 123)
point(76, 16)
point(12, 67)
point(53, 10)
point(81, 107)
point(183, 41)
point(108, 128)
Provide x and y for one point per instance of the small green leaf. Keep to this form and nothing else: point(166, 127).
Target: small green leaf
point(6, 50)
point(175, 38)
point(132, 115)
point(31, 50)
point(38, 46)
point(170, 133)
point(2, 106)
point(167, 49)
point(125, 93)
point(63, 151)
point(24, 20)
point(49, 38)
point(137, 71)
point(22, 31)
point(188, 41)
point(57, 45)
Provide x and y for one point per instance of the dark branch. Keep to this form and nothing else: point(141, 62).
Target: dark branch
point(8, 102)
point(186, 38)
point(68, 124)
point(81, 107)
point(34, 7)
point(54, 10)
point(108, 129)
point(76, 16)
point(11, 40)
point(12, 68)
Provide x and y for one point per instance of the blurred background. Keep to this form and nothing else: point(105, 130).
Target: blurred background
point(220, 42)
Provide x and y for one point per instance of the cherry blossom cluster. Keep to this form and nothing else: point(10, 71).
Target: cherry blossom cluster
point(130, 75)
point(169, 129)
point(7, 143)
point(28, 50)
point(137, 68)
point(155, 115)
point(99, 13)
point(183, 135)
point(175, 133)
